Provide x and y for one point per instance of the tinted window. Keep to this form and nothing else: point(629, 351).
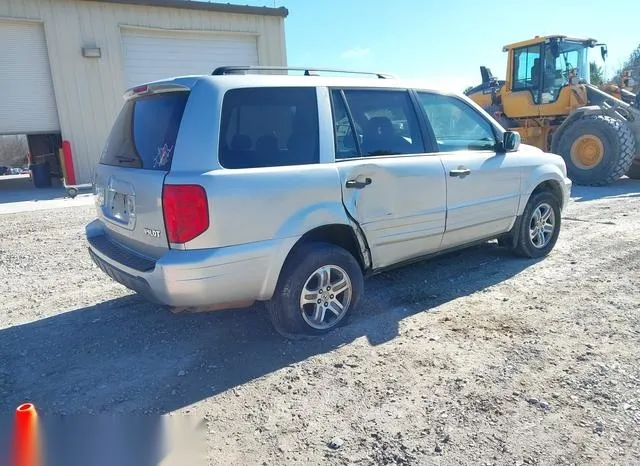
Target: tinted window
point(346, 146)
point(456, 125)
point(269, 127)
point(385, 122)
point(144, 134)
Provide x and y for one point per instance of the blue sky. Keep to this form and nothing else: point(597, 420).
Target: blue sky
point(443, 43)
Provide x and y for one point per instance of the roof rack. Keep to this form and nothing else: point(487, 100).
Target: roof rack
point(222, 70)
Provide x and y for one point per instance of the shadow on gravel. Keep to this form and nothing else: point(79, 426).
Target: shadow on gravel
point(126, 355)
point(623, 188)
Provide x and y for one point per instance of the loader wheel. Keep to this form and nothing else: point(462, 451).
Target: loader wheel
point(597, 149)
point(634, 170)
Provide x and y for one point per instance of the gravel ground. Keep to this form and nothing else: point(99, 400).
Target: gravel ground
point(473, 358)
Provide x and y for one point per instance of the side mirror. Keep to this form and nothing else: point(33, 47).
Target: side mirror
point(604, 52)
point(511, 141)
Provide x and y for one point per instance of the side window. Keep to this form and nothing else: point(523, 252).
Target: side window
point(346, 146)
point(456, 125)
point(269, 127)
point(527, 69)
point(385, 122)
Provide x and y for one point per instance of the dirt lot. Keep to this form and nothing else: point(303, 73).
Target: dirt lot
point(473, 358)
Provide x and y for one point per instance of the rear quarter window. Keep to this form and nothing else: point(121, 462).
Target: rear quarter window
point(269, 127)
point(145, 132)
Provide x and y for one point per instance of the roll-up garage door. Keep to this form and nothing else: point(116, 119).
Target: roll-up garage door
point(150, 55)
point(27, 100)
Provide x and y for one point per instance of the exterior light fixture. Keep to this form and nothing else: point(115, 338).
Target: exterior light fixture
point(91, 52)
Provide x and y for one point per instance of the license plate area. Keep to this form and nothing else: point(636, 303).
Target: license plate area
point(120, 205)
point(119, 209)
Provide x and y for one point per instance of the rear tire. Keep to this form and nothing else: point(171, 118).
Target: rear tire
point(319, 286)
point(607, 145)
point(539, 226)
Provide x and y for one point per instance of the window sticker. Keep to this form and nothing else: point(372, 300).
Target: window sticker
point(163, 157)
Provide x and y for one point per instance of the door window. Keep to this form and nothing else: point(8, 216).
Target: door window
point(269, 127)
point(527, 70)
point(345, 137)
point(378, 122)
point(457, 126)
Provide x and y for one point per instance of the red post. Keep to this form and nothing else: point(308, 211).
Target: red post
point(68, 163)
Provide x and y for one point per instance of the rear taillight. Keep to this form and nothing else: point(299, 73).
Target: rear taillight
point(186, 212)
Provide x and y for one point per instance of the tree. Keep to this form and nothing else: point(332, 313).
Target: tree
point(597, 74)
point(633, 65)
point(13, 150)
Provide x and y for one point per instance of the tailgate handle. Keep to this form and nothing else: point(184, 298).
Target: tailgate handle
point(355, 184)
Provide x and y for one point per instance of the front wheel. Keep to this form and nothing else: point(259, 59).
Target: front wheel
point(597, 149)
point(539, 226)
point(319, 286)
point(634, 170)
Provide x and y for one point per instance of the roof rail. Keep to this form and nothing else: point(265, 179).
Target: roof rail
point(222, 70)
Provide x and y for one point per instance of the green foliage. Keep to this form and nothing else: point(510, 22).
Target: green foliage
point(597, 74)
point(633, 65)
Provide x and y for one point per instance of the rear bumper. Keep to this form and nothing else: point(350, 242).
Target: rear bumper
point(198, 278)
point(137, 284)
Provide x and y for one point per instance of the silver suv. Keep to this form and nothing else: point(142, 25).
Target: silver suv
point(218, 191)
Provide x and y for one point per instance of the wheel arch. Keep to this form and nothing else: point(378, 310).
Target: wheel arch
point(338, 234)
point(345, 235)
point(551, 186)
point(549, 178)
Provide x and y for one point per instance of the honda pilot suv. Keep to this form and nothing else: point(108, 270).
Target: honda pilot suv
point(214, 192)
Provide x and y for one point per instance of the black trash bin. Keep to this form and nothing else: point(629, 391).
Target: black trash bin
point(41, 174)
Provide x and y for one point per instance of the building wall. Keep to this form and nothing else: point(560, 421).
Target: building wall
point(88, 91)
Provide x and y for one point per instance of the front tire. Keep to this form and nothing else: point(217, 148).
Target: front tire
point(634, 170)
point(319, 286)
point(597, 149)
point(539, 226)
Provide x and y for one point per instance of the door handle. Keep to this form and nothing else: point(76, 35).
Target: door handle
point(460, 172)
point(355, 184)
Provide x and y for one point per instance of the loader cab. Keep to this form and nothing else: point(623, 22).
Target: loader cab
point(539, 69)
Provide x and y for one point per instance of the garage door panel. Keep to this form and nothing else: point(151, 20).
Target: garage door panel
point(151, 56)
point(27, 100)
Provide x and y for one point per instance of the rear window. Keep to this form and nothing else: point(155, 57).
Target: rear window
point(269, 127)
point(144, 134)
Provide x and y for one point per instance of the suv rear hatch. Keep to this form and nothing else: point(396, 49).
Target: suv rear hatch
point(129, 178)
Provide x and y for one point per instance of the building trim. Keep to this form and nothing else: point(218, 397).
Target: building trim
point(125, 27)
point(204, 6)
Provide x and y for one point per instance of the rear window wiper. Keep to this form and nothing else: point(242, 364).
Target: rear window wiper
point(124, 159)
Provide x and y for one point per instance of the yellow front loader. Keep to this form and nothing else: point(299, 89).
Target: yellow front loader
point(547, 98)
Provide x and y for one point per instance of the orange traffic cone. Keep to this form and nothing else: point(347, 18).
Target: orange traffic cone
point(26, 437)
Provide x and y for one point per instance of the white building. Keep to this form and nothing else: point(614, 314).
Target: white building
point(64, 64)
